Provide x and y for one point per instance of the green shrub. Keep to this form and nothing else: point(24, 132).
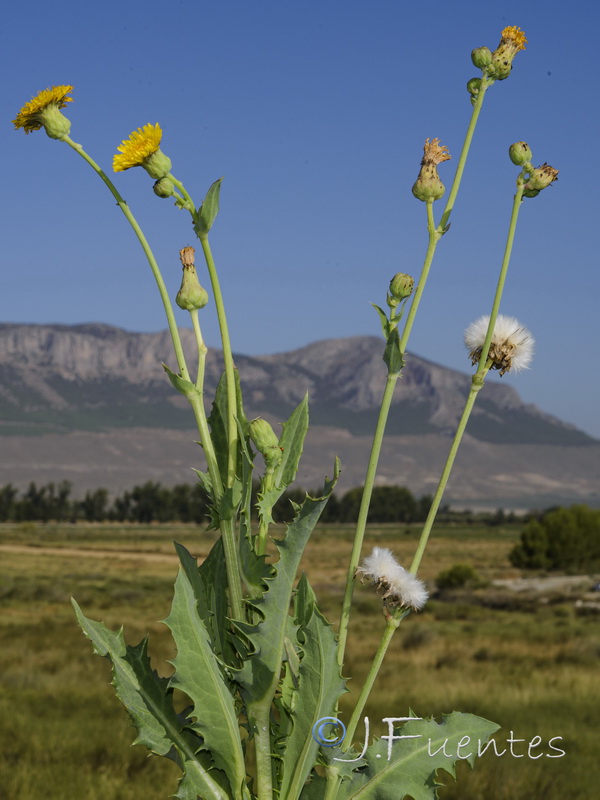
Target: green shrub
point(459, 576)
point(566, 539)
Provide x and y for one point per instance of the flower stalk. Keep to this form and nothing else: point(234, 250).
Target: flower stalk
point(477, 381)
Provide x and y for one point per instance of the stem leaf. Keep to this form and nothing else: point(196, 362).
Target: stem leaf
point(199, 674)
point(411, 768)
point(259, 674)
point(319, 685)
point(209, 209)
point(148, 700)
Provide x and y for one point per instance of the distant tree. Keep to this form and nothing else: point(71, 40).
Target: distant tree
point(388, 504)
point(94, 506)
point(566, 539)
point(8, 496)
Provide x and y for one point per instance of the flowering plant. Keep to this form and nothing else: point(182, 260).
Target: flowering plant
point(263, 681)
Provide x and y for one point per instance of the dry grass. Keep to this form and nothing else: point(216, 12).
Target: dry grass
point(531, 667)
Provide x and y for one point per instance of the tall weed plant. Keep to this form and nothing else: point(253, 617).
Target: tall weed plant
point(260, 668)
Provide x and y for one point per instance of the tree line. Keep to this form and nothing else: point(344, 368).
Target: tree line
point(153, 502)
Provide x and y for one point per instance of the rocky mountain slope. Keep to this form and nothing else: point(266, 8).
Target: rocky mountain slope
point(70, 396)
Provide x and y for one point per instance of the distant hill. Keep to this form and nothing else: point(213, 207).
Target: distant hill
point(62, 386)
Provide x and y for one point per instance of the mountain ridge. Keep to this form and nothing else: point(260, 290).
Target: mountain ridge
point(91, 404)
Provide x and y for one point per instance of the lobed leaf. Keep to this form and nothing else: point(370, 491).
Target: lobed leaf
point(410, 769)
point(199, 674)
point(319, 685)
point(148, 700)
point(260, 674)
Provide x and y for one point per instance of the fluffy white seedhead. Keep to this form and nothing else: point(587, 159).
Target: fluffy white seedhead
point(512, 344)
point(399, 586)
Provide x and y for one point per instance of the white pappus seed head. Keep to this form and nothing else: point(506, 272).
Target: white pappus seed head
point(511, 347)
point(399, 586)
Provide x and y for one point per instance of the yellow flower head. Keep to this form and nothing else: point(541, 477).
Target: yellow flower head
point(515, 37)
point(142, 149)
point(43, 111)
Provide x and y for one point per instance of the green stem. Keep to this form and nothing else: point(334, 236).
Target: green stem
point(195, 399)
point(485, 84)
point(147, 251)
point(260, 717)
point(434, 237)
point(202, 350)
point(391, 625)
point(361, 523)
point(232, 431)
point(263, 528)
point(476, 385)
point(476, 382)
point(434, 233)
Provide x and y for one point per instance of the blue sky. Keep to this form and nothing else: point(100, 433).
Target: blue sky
point(315, 113)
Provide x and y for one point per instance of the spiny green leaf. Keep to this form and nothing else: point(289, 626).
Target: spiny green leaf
point(319, 687)
point(292, 442)
point(199, 674)
point(148, 700)
point(209, 583)
point(198, 782)
point(218, 426)
point(260, 674)
point(408, 766)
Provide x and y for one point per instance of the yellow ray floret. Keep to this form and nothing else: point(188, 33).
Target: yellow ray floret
point(140, 146)
point(514, 36)
point(28, 117)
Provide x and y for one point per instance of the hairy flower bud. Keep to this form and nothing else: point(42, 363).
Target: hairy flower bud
point(265, 440)
point(428, 186)
point(401, 287)
point(520, 153)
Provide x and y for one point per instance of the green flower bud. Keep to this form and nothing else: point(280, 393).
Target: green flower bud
point(520, 153)
point(539, 179)
point(473, 86)
point(157, 165)
point(265, 440)
point(428, 185)
point(481, 57)
point(401, 287)
point(164, 188)
point(191, 296)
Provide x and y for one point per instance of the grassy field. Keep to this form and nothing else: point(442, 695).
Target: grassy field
point(529, 663)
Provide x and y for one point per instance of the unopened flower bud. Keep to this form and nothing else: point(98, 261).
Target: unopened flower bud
point(428, 186)
point(512, 40)
point(481, 57)
point(265, 440)
point(539, 179)
point(520, 153)
point(473, 86)
point(191, 296)
point(401, 287)
point(164, 188)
